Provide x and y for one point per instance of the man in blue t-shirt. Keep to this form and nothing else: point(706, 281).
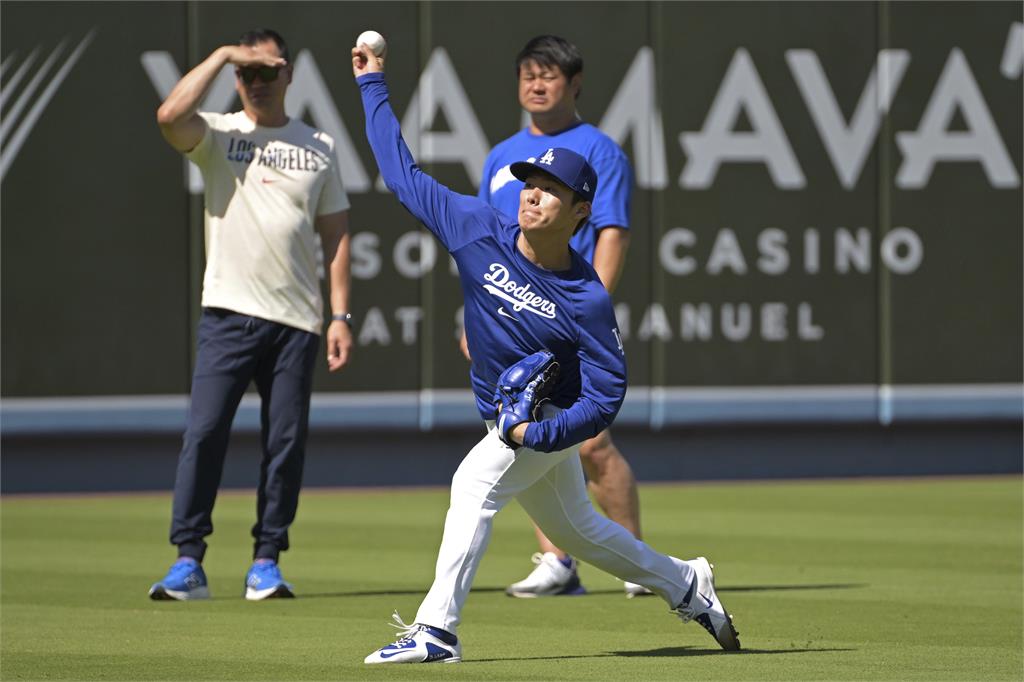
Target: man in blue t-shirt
point(550, 72)
point(525, 290)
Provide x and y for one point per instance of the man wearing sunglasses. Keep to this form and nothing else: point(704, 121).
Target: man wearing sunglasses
point(273, 187)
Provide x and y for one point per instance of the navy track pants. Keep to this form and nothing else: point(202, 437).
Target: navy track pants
point(234, 350)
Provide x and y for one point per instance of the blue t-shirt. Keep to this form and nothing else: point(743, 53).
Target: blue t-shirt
point(512, 307)
point(611, 205)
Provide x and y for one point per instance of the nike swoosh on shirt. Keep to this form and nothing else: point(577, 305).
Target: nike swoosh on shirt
point(265, 181)
point(501, 311)
point(519, 305)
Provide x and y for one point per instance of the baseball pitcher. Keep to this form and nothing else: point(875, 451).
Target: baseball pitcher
point(548, 372)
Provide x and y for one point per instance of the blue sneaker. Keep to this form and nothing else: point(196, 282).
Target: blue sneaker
point(264, 581)
point(185, 580)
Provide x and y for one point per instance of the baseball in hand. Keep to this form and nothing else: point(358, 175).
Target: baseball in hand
point(374, 40)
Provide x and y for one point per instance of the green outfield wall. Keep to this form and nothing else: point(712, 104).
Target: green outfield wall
point(827, 222)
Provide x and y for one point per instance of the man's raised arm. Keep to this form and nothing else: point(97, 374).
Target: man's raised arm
point(180, 123)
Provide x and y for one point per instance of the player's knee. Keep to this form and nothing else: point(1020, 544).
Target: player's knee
point(461, 483)
point(467, 495)
point(598, 451)
point(579, 537)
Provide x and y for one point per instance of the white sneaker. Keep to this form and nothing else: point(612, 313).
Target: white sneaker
point(418, 644)
point(550, 578)
point(635, 590)
point(705, 607)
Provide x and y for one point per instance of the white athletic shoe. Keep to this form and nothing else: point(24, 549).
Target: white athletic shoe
point(418, 643)
point(635, 590)
point(704, 606)
point(549, 579)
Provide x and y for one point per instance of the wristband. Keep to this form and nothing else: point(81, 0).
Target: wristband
point(342, 317)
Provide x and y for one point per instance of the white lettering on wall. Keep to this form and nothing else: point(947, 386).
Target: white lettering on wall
point(668, 249)
point(773, 321)
point(654, 324)
point(811, 248)
point(634, 114)
point(439, 89)
point(736, 322)
point(806, 329)
point(771, 244)
point(695, 322)
point(374, 329)
point(726, 253)
point(1013, 52)
point(933, 142)
point(364, 255)
point(848, 145)
point(718, 142)
point(902, 250)
point(415, 254)
point(853, 250)
point(409, 318)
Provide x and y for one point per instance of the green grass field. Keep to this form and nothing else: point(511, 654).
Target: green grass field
point(836, 580)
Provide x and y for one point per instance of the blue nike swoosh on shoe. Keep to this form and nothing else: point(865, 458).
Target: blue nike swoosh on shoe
point(397, 649)
point(706, 599)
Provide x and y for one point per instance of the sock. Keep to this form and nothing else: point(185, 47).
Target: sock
point(567, 561)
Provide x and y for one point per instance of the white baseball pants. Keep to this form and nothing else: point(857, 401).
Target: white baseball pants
point(552, 490)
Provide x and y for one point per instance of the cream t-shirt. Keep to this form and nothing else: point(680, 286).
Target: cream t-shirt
point(264, 189)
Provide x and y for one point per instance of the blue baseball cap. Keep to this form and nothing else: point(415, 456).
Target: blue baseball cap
point(564, 165)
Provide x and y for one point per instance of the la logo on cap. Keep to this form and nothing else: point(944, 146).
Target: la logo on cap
point(548, 158)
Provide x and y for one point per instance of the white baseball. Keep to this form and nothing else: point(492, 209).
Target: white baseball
point(374, 40)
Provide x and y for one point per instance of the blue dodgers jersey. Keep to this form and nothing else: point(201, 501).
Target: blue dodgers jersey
point(512, 307)
point(611, 205)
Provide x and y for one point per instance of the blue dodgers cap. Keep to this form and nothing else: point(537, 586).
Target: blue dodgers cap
point(566, 166)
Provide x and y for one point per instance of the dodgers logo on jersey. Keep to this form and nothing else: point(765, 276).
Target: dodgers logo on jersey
point(548, 158)
point(521, 296)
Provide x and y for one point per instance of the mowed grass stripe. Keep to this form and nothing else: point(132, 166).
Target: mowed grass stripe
point(844, 580)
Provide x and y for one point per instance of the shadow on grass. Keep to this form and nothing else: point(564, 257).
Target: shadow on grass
point(481, 590)
point(385, 593)
point(663, 652)
point(783, 588)
point(694, 651)
point(755, 588)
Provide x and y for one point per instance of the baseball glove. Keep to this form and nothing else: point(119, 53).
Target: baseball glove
point(522, 388)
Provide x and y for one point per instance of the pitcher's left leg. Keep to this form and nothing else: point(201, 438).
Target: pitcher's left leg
point(558, 502)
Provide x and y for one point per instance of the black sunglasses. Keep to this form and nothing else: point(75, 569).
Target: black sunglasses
point(267, 74)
